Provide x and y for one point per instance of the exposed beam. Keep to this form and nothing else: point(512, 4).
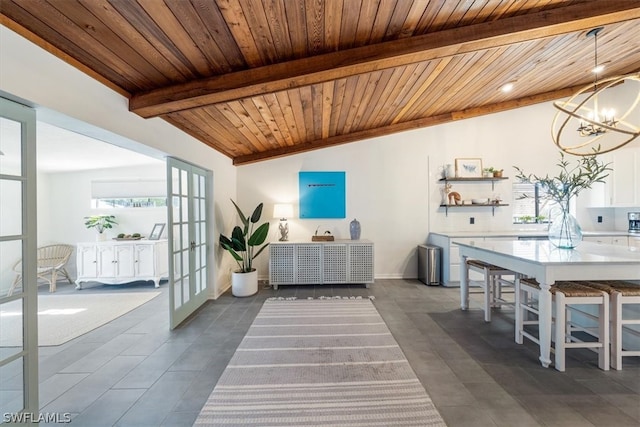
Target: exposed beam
point(404, 126)
point(341, 64)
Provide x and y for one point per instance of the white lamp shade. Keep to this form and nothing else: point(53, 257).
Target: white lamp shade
point(282, 210)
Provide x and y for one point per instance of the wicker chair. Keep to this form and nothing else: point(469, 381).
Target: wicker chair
point(51, 261)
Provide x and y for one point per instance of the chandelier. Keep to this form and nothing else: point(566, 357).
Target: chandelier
point(596, 129)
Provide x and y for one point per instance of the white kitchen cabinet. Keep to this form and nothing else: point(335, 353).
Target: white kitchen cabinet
point(625, 177)
point(116, 262)
point(341, 261)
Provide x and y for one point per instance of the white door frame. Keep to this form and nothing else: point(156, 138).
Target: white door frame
point(190, 193)
point(28, 293)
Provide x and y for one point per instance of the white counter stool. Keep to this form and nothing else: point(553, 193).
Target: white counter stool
point(493, 280)
point(620, 294)
point(565, 294)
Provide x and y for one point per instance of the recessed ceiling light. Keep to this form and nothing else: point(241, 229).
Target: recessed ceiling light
point(508, 87)
point(598, 69)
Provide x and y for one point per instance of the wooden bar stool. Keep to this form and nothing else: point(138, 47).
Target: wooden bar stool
point(620, 293)
point(493, 280)
point(566, 294)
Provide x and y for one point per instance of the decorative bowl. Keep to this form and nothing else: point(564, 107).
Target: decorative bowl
point(479, 201)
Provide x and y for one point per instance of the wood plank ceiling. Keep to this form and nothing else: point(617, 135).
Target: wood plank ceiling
point(262, 79)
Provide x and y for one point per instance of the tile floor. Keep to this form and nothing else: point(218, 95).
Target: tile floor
point(135, 372)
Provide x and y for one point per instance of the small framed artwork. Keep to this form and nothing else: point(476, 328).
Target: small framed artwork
point(156, 232)
point(469, 168)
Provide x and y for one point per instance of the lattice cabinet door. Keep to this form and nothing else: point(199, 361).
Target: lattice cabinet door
point(361, 263)
point(334, 263)
point(282, 265)
point(309, 264)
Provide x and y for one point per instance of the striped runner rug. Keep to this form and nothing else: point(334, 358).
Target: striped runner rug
point(320, 362)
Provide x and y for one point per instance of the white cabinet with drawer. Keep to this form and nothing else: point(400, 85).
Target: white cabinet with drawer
point(119, 262)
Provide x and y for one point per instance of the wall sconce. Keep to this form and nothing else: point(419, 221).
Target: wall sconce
point(282, 211)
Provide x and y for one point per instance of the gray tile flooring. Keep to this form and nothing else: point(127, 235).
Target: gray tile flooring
point(135, 372)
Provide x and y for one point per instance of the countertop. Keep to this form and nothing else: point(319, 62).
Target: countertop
point(524, 233)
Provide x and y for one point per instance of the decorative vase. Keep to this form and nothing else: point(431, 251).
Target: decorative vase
point(450, 171)
point(101, 237)
point(244, 284)
point(354, 229)
point(565, 232)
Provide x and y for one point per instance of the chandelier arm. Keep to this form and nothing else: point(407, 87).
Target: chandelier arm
point(556, 139)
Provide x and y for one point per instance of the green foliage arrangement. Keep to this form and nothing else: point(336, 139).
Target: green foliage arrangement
point(244, 239)
point(571, 180)
point(100, 222)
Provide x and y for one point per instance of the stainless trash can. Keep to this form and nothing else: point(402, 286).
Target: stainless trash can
point(429, 264)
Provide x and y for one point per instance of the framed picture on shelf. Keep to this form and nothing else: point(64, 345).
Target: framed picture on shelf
point(469, 168)
point(156, 232)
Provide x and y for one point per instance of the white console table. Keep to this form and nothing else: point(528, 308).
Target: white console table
point(340, 261)
point(122, 261)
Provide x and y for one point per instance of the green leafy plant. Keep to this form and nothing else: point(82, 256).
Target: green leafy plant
point(100, 222)
point(571, 180)
point(244, 239)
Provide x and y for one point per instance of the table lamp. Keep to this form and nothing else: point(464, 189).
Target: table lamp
point(283, 211)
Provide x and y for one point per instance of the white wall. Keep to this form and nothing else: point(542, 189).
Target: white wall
point(29, 73)
point(64, 200)
point(393, 189)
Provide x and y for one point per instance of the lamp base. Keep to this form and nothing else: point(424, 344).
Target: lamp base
point(284, 231)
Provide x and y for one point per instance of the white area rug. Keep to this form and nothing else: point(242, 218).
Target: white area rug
point(64, 317)
point(329, 362)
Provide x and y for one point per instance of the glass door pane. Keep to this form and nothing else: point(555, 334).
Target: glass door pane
point(18, 288)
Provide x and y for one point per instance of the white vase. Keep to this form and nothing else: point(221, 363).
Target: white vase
point(101, 237)
point(244, 284)
point(450, 171)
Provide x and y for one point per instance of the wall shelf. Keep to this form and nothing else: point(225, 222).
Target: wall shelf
point(493, 207)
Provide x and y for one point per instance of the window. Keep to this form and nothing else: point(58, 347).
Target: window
point(132, 193)
point(135, 202)
point(530, 204)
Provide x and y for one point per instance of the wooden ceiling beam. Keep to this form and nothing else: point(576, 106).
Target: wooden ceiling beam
point(341, 64)
point(404, 126)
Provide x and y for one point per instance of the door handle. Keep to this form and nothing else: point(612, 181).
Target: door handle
point(192, 246)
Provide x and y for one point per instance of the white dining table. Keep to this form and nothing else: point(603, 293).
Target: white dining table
point(541, 260)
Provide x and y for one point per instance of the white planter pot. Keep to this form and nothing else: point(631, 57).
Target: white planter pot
point(101, 237)
point(244, 284)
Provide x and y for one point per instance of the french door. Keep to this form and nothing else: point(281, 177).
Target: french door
point(18, 311)
point(190, 192)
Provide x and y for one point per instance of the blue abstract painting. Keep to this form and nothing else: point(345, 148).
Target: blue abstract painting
point(322, 194)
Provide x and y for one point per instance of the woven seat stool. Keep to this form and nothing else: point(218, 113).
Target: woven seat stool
point(565, 294)
point(493, 280)
point(620, 294)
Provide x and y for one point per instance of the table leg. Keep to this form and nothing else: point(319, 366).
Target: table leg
point(519, 312)
point(545, 313)
point(464, 283)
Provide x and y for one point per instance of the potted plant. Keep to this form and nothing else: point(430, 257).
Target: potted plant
point(242, 246)
point(565, 232)
point(100, 223)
